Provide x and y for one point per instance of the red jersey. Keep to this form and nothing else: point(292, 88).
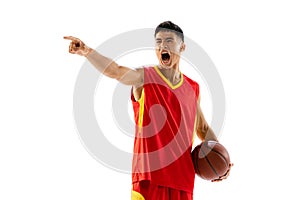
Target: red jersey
point(165, 118)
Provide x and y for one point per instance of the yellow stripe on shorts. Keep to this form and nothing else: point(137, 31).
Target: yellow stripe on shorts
point(136, 196)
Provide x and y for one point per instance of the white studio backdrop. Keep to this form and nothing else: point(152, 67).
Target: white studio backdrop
point(253, 44)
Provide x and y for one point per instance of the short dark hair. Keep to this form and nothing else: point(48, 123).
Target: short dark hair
point(169, 26)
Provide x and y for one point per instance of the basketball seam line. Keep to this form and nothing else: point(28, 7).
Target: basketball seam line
point(220, 155)
point(209, 162)
point(212, 149)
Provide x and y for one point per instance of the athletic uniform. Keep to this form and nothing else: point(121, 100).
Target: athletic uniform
point(165, 116)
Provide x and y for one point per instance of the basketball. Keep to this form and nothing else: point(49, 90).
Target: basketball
point(211, 160)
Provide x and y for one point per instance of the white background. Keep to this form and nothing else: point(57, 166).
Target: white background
point(254, 45)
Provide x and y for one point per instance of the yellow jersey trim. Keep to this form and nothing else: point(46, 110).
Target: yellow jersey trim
point(141, 109)
point(136, 196)
point(167, 81)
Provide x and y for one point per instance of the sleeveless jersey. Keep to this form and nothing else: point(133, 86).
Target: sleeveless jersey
point(165, 118)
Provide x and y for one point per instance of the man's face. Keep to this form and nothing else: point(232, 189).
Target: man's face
point(168, 47)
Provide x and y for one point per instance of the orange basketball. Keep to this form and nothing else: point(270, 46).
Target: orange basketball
point(211, 160)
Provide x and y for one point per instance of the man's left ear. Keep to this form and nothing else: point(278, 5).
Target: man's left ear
point(182, 48)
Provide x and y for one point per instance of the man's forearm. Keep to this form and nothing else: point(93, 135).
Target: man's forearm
point(206, 134)
point(105, 65)
point(210, 135)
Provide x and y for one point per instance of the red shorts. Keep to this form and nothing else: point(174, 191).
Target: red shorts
point(144, 190)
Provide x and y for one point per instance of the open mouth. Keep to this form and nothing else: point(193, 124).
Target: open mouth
point(165, 56)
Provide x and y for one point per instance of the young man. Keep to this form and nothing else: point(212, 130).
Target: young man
point(167, 112)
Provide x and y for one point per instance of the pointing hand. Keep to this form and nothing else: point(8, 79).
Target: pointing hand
point(77, 46)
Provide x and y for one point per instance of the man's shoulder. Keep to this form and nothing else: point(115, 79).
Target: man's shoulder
point(148, 66)
point(145, 67)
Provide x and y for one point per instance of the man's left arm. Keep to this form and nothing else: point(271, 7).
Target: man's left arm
point(204, 132)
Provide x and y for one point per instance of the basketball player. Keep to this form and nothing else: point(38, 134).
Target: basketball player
point(167, 113)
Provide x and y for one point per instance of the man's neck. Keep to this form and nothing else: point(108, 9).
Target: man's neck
point(172, 74)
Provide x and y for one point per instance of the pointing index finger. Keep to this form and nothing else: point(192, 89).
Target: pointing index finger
point(71, 38)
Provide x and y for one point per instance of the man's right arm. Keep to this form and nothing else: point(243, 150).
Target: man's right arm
point(106, 65)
